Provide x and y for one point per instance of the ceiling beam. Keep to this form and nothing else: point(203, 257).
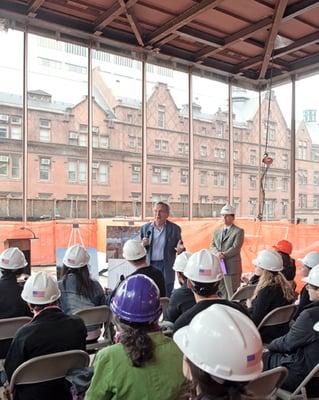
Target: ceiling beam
point(270, 43)
point(133, 23)
point(33, 7)
point(299, 44)
point(184, 18)
point(110, 15)
point(291, 12)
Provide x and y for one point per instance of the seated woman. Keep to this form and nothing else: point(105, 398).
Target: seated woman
point(298, 350)
point(145, 364)
point(272, 291)
point(78, 290)
point(225, 357)
point(12, 261)
point(284, 248)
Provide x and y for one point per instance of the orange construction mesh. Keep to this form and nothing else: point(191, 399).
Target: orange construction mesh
point(197, 234)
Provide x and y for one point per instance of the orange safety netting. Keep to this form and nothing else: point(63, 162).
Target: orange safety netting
point(197, 234)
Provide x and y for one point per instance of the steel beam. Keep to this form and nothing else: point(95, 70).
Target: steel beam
point(293, 152)
point(190, 146)
point(25, 168)
point(90, 137)
point(33, 7)
point(144, 141)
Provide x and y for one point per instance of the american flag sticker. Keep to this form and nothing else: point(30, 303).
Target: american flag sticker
point(70, 261)
point(204, 272)
point(252, 360)
point(5, 261)
point(38, 293)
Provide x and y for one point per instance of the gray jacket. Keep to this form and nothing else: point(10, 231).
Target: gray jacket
point(230, 245)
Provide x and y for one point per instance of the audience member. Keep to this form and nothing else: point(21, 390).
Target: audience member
point(78, 289)
point(135, 253)
point(50, 331)
point(284, 248)
point(203, 275)
point(307, 263)
point(222, 352)
point(12, 261)
point(145, 364)
point(272, 291)
point(182, 298)
point(298, 350)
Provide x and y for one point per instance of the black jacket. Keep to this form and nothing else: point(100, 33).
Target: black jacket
point(304, 301)
point(187, 316)
point(267, 300)
point(298, 350)
point(181, 300)
point(11, 305)
point(50, 331)
point(289, 271)
point(154, 274)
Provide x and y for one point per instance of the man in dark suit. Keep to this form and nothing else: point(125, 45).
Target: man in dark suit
point(162, 241)
point(226, 245)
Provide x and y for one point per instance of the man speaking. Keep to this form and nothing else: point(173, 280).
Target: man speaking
point(162, 241)
point(226, 245)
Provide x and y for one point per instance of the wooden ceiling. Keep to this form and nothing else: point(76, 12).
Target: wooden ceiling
point(249, 41)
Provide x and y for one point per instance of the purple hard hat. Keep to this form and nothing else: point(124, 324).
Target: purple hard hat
point(137, 299)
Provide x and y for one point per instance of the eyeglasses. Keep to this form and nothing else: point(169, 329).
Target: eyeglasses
point(309, 286)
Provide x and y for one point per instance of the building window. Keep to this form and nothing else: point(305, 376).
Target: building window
point(203, 199)
point(220, 129)
point(302, 200)
point(302, 177)
point(219, 179)
point(252, 206)
point(83, 139)
point(184, 198)
point(4, 131)
point(284, 184)
point(310, 115)
point(183, 148)
point(77, 171)
point(253, 182)
point(271, 130)
point(160, 175)
point(16, 132)
point(203, 178)
point(284, 208)
point(156, 197)
point(203, 151)
point(236, 181)
point(220, 153)
point(161, 116)
point(285, 161)
point(104, 141)
point(302, 149)
point(316, 201)
point(45, 165)
point(316, 178)
point(134, 141)
point(15, 166)
point(253, 157)
point(73, 138)
point(184, 177)
point(236, 155)
point(136, 173)
point(270, 183)
point(4, 165)
point(100, 172)
point(45, 130)
point(161, 145)
point(270, 208)
point(129, 118)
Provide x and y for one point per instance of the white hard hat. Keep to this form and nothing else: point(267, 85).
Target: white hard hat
point(40, 288)
point(181, 261)
point(311, 259)
point(223, 342)
point(316, 327)
point(228, 209)
point(133, 250)
point(76, 256)
point(12, 258)
point(313, 277)
point(269, 260)
point(203, 266)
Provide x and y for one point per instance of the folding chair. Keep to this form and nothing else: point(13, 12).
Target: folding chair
point(301, 391)
point(9, 326)
point(243, 293)
point(267, 383)
point(48, 367)
point(278, 316)
point(100, 315)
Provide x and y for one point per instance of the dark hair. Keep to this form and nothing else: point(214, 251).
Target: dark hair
point(137, 344)
point(84, 283)
point(205, 289)
point(208, 387)
point(39, 307)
